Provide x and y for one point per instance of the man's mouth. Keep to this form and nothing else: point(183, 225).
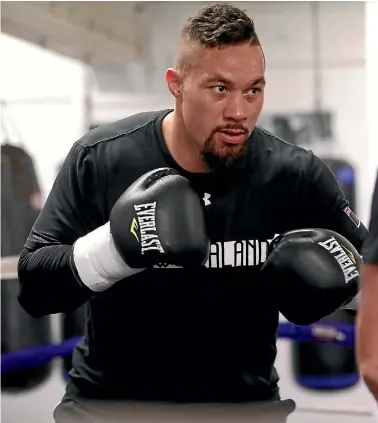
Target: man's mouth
point(233, 131)
point(232, 136)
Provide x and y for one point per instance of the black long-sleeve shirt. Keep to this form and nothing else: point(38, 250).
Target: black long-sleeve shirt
point(169, 333)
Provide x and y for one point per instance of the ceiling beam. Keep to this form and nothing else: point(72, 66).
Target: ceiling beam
point(83, 39)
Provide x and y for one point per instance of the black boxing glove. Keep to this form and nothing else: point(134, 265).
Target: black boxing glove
point(160, 218)
point(313, 272)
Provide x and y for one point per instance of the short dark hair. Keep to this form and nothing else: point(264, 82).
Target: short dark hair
point(220, 24)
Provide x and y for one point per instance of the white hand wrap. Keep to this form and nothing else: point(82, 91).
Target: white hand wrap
point(97, 261)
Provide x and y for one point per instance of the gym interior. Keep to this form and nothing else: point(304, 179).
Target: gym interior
point(68, 67)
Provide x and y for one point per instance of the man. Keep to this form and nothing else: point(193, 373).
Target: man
point(367, 338)
point(170, 317)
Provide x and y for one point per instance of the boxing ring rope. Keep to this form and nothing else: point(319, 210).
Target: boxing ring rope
point(9, 267)
point(341, 333)
point(336, 333)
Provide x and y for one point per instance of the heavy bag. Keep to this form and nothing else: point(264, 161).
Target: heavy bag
point(346, 177)
point(19, 209)
point(73, 324)
point(323, 366)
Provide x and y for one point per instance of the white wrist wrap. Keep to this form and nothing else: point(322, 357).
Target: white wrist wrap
point(97, 261)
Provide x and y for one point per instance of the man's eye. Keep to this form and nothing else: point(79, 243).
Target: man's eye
point(220, 89)
point(255, 90)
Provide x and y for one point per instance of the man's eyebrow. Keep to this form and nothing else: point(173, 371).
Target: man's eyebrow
point(221, 79)
point(260, 80)
point(225, 81)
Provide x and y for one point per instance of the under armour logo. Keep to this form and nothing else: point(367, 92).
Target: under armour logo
point(206, 199)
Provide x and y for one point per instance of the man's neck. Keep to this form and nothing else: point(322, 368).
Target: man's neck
point(185, 152)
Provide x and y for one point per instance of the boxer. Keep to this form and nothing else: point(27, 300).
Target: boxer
point(162, 222)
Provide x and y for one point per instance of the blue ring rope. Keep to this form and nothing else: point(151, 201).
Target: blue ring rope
point(342, 333)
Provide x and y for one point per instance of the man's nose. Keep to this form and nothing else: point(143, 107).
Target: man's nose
point(236, 108)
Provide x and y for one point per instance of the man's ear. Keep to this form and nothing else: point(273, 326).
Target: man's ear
point(173, 78)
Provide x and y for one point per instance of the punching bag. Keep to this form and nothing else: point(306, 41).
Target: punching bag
point(346, 177)
point(20, 206)
point(73, 325)
point(323, 366)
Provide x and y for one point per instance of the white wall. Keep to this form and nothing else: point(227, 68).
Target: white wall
point(285, 32)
